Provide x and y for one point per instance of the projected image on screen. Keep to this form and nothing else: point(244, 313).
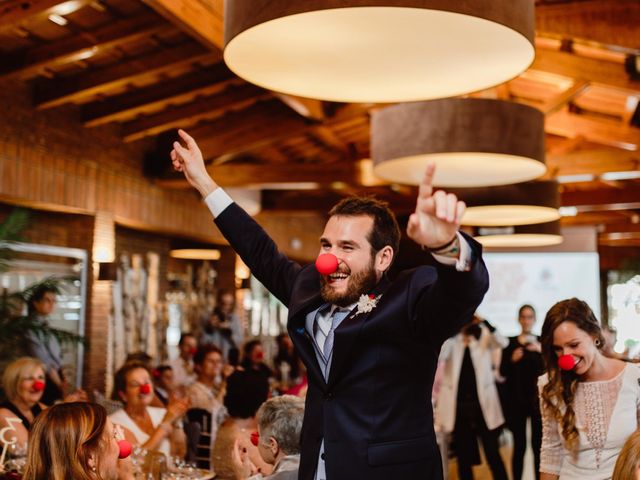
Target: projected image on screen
point(540, 280)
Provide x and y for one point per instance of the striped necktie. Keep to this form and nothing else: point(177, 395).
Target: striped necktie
point(337, 316)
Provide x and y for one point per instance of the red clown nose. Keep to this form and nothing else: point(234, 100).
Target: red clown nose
point(38, 385)
point(125, 448)
point(255, 438)
point(566, 362)
point(327, 263)
point(192, 351)
point(145, 388)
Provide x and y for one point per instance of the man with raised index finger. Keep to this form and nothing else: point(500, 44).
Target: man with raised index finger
point(370, 344)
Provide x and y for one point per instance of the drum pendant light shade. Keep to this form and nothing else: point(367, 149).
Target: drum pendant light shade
point(520, 204)
point(378, 51)
point(539, 235)
point(473, 142)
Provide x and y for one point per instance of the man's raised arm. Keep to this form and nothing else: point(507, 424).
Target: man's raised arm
point(435, 222)
point(189, 161)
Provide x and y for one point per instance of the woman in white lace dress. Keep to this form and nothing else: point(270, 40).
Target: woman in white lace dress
point(589, 411)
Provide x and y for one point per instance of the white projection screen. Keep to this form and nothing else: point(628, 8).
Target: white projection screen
point(538, 279)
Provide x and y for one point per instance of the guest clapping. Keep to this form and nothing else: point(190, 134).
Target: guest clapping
point(152, 428)
point(277, 439)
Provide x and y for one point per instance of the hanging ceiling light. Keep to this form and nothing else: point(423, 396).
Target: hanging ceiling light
point(519, 236)
point(473, 142)
point(378, 51)
point(520, 204)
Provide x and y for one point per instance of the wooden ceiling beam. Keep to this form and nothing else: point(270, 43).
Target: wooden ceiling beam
point(251, 175)
point(595, 218)
point(602, 21)
point(261, 124)
point(203, 21)
point(101, 80)
point(595, 162)
point(402, 203)
point(187, 115)
point(29, 63)
point(14, 12)
point(561, 100)
point(606, 198)
point(207, 81)
point(575, 66)
point(601, 131)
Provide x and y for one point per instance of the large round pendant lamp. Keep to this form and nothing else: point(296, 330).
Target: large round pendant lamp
point(520, 204)
point(378, 51)
point(473, 142)
point(521, 236)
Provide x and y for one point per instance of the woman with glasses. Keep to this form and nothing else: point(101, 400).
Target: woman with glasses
point(152, 428)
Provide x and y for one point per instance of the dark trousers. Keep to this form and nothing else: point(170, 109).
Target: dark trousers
point(518, 427)
point(469, 426)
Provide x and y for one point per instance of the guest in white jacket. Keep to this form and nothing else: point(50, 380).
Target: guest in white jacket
point(468, 404)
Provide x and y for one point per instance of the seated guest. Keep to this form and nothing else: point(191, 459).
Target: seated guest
point(205, 395)
point(182, 366)
point(628, 462)
point(150, 427)
point(278, 440)
point(163, 385)
point(253, 362)
point(244, 397)
point(23, 382)
point(74, 441)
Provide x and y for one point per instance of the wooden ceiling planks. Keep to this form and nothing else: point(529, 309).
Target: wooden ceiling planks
point(123, 61)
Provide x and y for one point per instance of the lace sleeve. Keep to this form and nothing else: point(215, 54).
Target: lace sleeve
point(551, 451)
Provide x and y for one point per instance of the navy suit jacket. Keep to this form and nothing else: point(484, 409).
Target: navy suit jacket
point(374, 411)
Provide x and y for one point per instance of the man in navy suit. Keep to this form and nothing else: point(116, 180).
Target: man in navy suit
point(368, 409)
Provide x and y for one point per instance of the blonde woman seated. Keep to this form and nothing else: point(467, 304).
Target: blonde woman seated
point(152, 428)
point(75, 441)
point(23, 382)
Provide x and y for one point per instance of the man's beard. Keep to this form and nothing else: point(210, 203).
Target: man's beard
point(358, 284)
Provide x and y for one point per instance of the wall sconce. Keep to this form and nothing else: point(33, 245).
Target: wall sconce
point(104, 247)
point(378, 51)
point(104, 238)
point(474, 142)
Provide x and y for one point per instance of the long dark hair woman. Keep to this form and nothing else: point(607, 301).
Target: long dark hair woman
point(589, 402)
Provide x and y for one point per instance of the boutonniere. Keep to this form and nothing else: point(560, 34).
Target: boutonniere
point(366, 303)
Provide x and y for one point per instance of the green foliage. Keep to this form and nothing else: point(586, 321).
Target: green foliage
point(14, 324)
point(10, 231)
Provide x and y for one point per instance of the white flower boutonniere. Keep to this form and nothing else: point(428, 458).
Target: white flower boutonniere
point(366, 303)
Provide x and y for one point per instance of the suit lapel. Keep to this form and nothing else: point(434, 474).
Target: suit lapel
point(301, 338)
point(347, 333)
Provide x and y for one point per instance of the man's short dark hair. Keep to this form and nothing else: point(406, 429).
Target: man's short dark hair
point(203, 351)
point(385, 230)
point(184, 335)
